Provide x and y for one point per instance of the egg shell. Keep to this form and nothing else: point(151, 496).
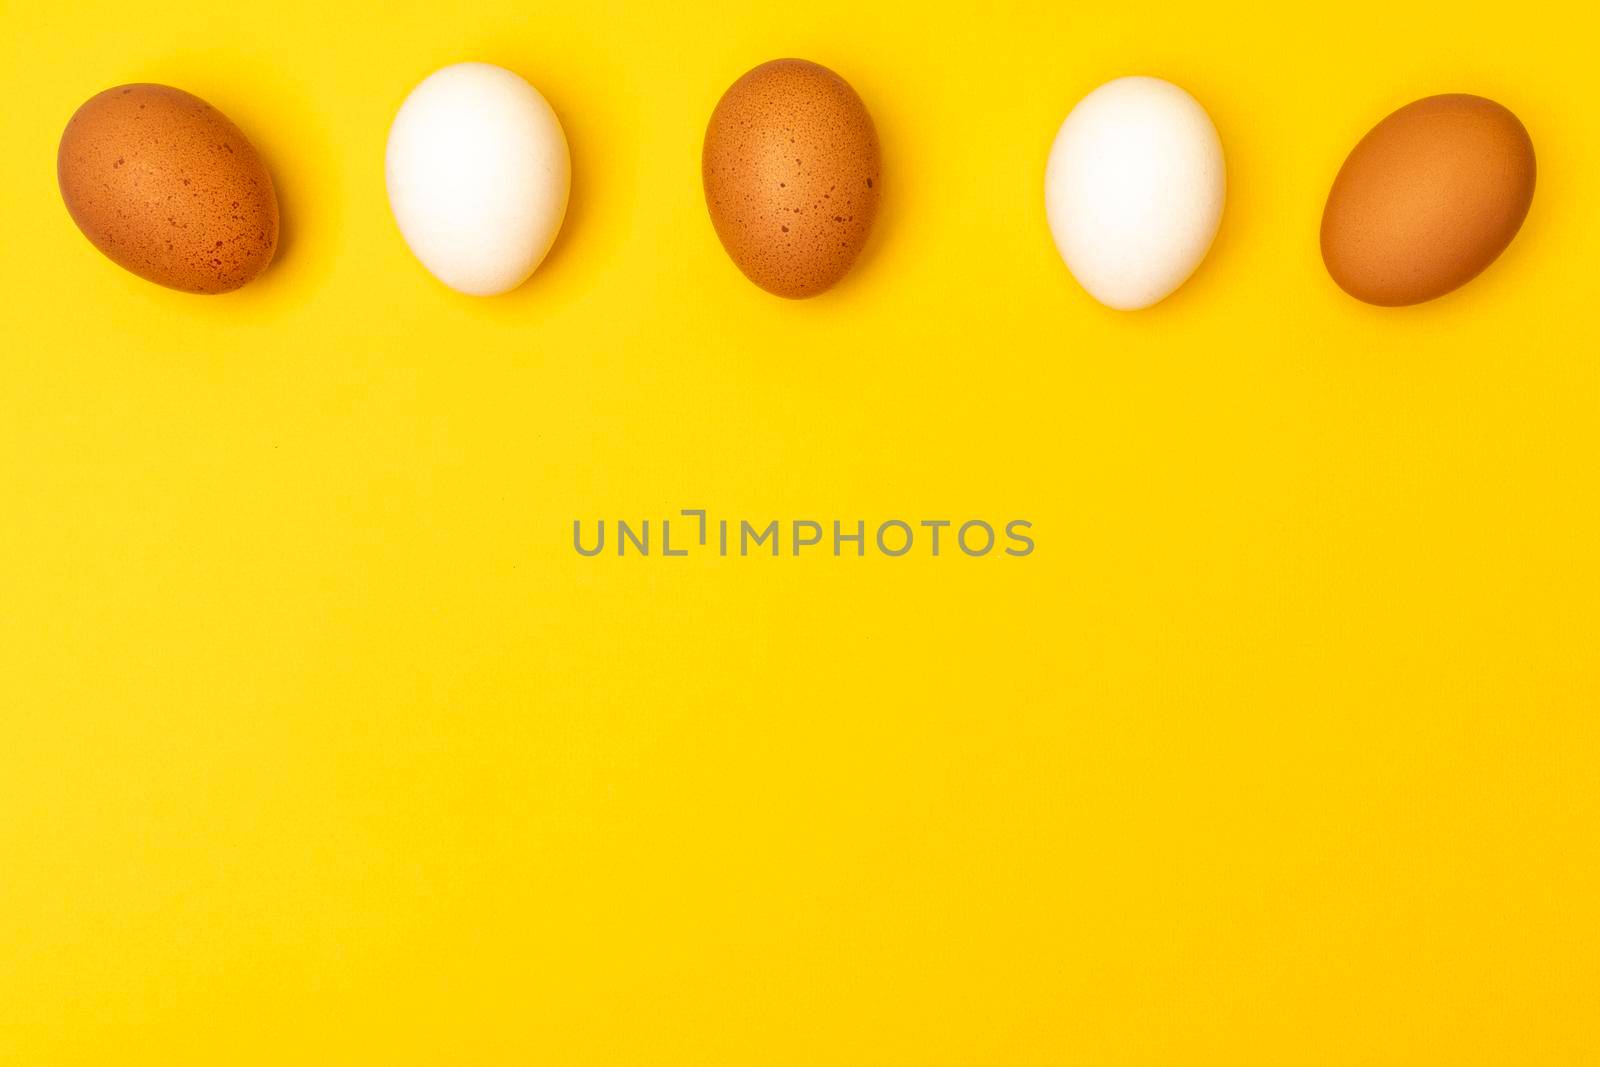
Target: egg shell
point(478, 175)
point(791, 170)
point(1134, 190)
point(1427, 200)
point(167, 187)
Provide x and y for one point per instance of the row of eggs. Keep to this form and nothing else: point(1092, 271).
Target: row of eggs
point(478, 175)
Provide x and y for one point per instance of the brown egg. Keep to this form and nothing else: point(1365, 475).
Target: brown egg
point(1427, 200)
point(790, 166)
point(167, 187)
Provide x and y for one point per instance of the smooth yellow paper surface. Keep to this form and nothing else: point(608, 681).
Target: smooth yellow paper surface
point(320, 744)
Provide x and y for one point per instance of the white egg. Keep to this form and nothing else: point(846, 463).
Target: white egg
point(478, 176)
point(1134, 190)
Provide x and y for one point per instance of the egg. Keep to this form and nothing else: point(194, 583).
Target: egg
point(791, 168)
point(1427, 200)
point(478, 175)
point(1134, 190)
point(167, 187)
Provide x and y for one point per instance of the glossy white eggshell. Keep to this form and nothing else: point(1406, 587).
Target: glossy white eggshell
point(1134, 190)
point(478, 175)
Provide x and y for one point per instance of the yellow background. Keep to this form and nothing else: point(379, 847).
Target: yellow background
point(319, 744)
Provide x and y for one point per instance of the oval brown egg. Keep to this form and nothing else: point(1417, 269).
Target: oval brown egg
point(1427, 200)
point(167, 187)
point(791, 172)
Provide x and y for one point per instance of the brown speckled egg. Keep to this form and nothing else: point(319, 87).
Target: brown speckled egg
point(167, 187)
point(791, 171)
point(1427, 200)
